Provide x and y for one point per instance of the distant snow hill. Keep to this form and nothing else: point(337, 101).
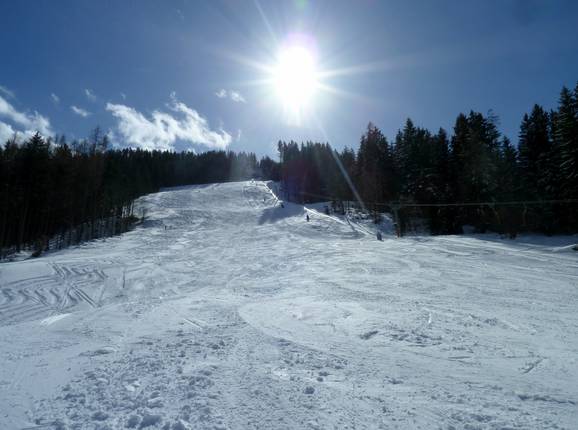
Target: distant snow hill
point(227, 309)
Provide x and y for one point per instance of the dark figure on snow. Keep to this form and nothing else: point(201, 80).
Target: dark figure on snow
point(307, 217)
point(379, 237)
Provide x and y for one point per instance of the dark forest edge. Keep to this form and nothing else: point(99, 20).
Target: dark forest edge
point(54, 194)
point(475, 177)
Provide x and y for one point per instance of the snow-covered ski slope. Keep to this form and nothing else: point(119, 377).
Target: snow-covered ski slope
point(226, 311)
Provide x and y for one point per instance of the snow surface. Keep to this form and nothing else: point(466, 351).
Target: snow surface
point(227, 311)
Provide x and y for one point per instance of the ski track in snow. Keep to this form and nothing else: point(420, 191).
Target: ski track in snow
point(226, 311)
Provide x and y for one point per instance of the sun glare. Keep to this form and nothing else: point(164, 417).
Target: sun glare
point(295, 78)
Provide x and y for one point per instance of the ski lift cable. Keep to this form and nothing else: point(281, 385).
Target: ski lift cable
point(495, 203)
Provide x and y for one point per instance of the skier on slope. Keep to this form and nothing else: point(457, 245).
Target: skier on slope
point(307, 217)
point(379, 237)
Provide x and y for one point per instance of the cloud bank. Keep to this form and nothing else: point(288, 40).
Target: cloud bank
point(163, 129)
point(25, 123)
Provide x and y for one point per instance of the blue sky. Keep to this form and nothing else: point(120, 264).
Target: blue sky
point(181, 74)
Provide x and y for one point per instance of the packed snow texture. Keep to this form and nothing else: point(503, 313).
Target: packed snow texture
point(225, 310)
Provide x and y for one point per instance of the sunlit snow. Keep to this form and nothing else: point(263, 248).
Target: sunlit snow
point(225, 310)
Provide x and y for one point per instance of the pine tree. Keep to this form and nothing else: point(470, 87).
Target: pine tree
point(567, 141)
point(374, 164)
point(405, 159)
point(534, 149)
point(508, 172)
point(475, 151)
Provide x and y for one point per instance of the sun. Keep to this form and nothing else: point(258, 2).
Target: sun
point(298, 79)
point(295, 78)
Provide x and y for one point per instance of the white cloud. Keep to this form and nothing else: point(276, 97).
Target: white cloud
point(79, 111)
point(7, 92)
point(237, 97)
point(162, 130)
point(6, 132)
point(89, 95)
point(123, 95)
point(23, 122)
point(55, 98)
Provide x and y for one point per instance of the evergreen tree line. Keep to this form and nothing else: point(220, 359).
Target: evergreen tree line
point(53, 194)
point(473, 177)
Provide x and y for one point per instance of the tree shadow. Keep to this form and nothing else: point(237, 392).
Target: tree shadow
point(277, 213)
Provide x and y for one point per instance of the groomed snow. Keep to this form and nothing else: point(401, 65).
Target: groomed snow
point(227, 311)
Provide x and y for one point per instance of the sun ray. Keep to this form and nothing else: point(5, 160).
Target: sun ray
point(266, 21)
point(346, 94)
point(376, 66)
point(261, 82)
point(342, 169)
